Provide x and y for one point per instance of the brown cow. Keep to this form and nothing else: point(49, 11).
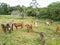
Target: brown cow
point(58, 28)
point(29, 27)
point(19, 24)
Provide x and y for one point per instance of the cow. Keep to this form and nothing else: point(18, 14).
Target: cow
point(29, 27)
point(7, 27)
point(58, 28)
point(36, 24)
point(19, 24)
point(49, 22)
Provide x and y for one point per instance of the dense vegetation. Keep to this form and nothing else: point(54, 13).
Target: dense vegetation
point(52, 11)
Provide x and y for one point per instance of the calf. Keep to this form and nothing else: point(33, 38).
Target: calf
point(29, 27)
point(58, 28)
point(20, 24)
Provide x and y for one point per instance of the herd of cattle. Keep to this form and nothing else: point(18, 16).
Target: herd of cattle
point(9, 26)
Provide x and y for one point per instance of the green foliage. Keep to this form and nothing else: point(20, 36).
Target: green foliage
point(54, 10)
point(31, 12)
point(4, 8)
point(51, 12)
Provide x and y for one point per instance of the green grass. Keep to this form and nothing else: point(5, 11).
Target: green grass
point(22, 37)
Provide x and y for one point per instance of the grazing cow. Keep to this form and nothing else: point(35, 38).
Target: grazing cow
point(49, 22)
point(29, 27)
point(7, 27)
point(20, 24)
point(36, 24)
point(58, 28)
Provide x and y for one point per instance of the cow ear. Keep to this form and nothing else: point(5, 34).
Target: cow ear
point(2, 24)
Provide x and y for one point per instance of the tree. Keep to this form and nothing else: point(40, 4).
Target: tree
point(54, 10)
point(4, 7)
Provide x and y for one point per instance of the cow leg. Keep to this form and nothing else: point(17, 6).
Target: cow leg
point(4, 30)
point(27, 30)
point(16, 27)
point(12, 27)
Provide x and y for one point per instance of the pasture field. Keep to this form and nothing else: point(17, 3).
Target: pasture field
point(22, 37)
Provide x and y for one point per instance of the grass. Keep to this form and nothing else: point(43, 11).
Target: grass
point(22, 37)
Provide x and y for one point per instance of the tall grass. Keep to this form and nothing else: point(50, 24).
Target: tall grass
point(22, 37)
